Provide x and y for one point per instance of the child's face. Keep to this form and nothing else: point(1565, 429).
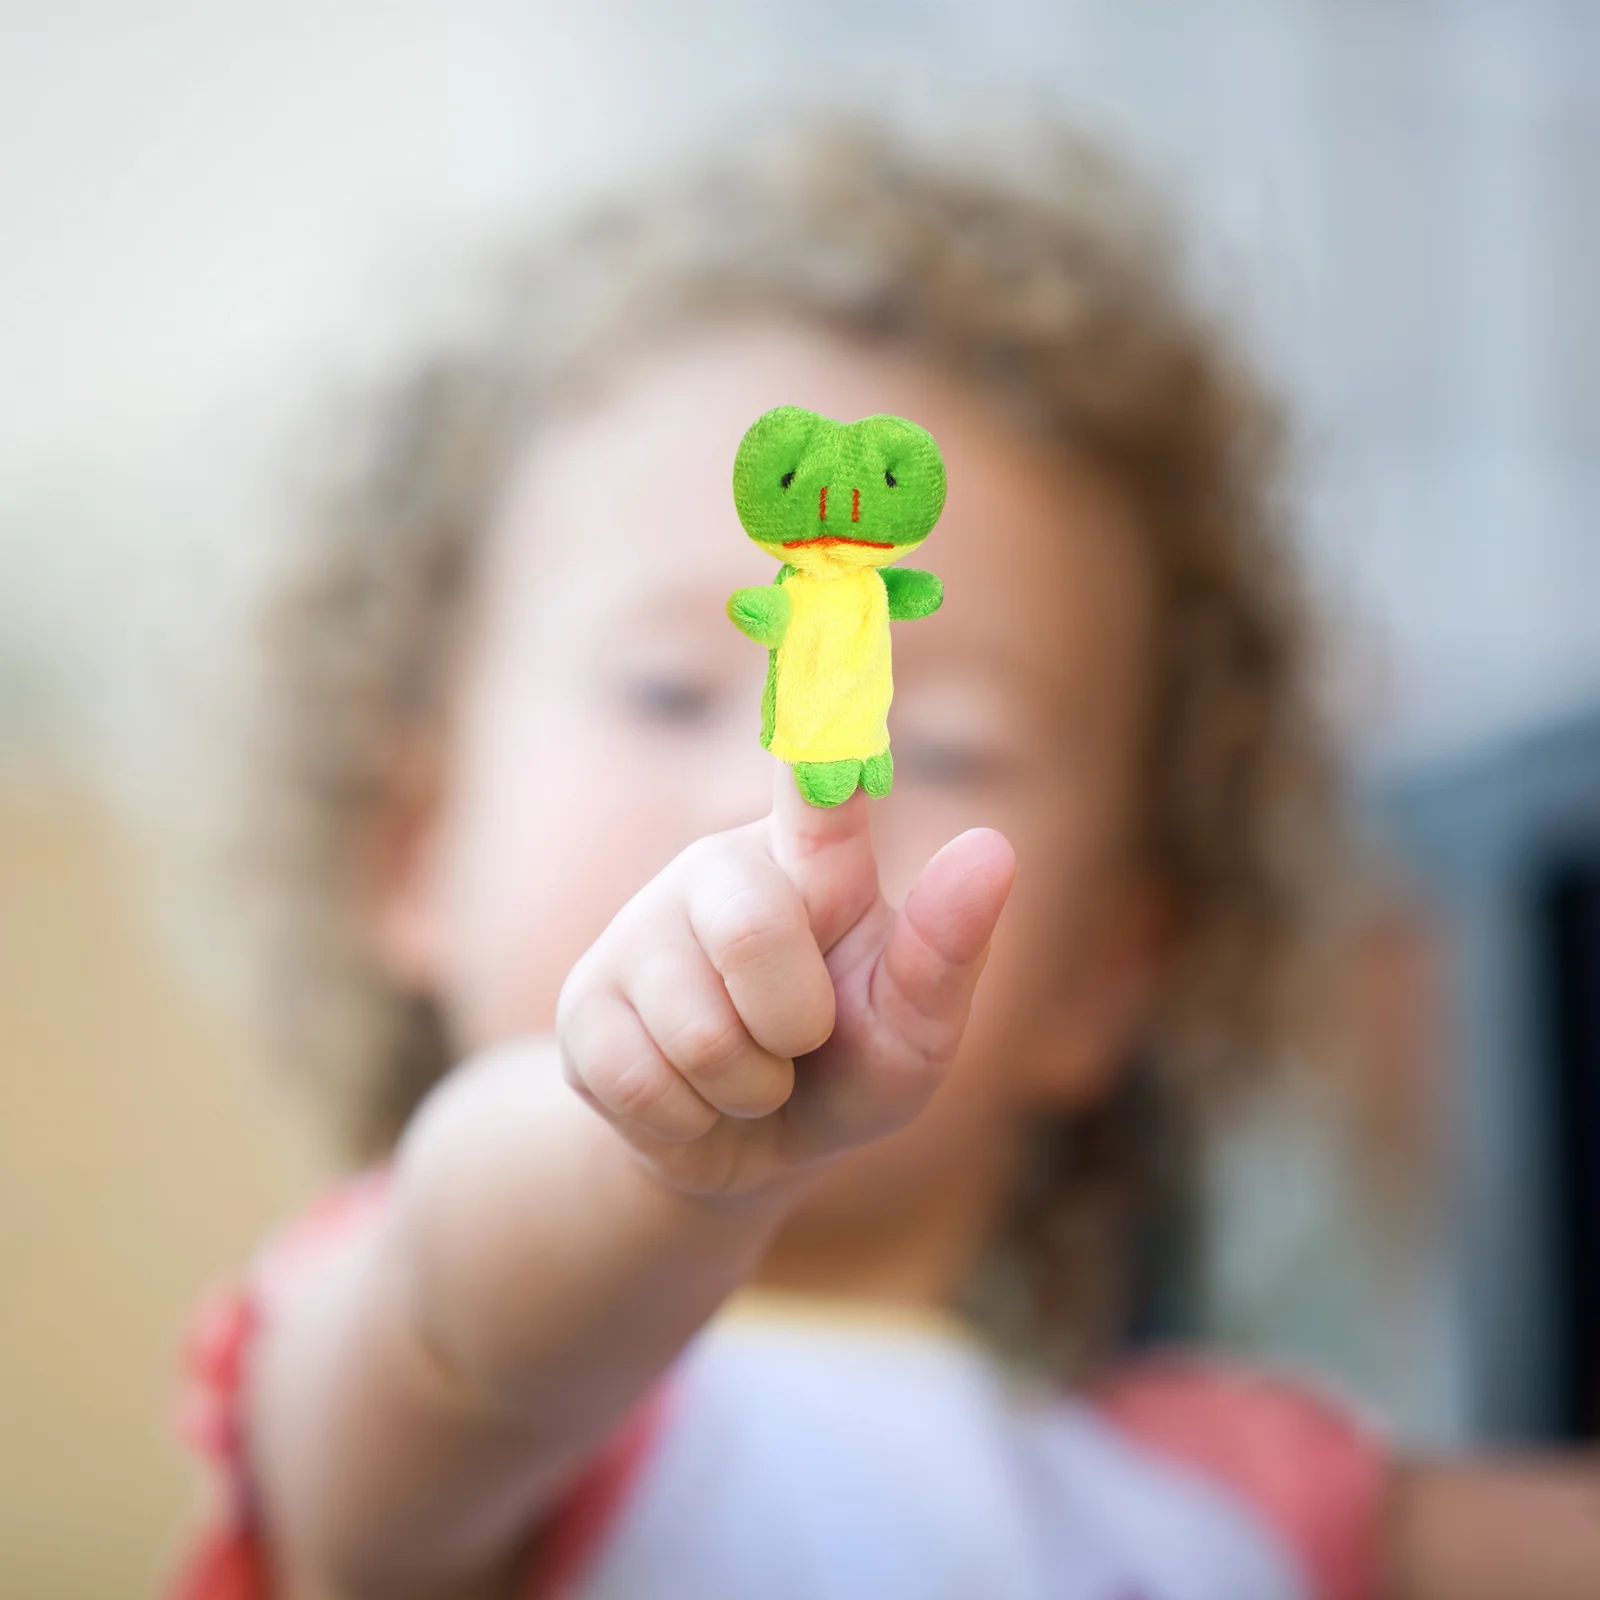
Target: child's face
point(608, 715)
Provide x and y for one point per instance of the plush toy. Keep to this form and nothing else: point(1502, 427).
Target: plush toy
point(835, 503)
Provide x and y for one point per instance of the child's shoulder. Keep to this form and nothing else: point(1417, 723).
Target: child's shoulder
point(1299, 1457)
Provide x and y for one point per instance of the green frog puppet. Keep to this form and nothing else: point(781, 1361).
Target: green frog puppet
point(834, 502)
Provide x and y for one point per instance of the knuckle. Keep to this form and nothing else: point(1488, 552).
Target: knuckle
point(927, 1041)
point(747, 929)
point(707, 1043)
point(697, 858)
point(605, 1054)
point(583, 983)
point(572, 1072)
point(574, 1009)
point(612, 1064)
point(632, 1086)
point(567, 1002)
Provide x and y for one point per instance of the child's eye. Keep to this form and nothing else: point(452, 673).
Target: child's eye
point(678, 702)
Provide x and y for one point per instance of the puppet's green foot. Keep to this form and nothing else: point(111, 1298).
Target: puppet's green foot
point(877, 774)
point(826, 783)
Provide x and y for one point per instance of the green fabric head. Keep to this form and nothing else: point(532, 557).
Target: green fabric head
point(814, 492)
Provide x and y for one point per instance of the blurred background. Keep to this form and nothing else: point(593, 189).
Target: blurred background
point(210, 214)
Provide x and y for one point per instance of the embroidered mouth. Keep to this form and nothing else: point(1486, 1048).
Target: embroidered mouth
point(824, 539)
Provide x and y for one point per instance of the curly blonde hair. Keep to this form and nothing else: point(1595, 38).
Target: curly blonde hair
point(1059, 289)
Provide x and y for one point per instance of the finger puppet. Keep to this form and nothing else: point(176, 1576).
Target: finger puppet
point(834, 502)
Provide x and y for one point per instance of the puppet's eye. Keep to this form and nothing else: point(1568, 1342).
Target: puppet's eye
point(786, 480)
point(889, 479)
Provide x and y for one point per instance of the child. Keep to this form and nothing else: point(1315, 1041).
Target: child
point(743, 1253)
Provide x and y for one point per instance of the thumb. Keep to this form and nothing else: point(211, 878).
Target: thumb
point(826, 852)
point(922, 986)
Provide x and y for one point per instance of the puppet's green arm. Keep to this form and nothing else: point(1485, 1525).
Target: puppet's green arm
point(761, 614)
point(912, 592)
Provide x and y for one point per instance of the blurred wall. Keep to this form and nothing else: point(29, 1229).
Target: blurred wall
point(138, 1163)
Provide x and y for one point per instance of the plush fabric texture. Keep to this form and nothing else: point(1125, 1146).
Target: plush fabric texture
point(912, 593)
point(835, 503)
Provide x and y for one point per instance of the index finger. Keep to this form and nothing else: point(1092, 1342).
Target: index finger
point(805, 828)
point(826, 851)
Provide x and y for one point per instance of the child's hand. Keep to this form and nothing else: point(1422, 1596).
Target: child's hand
point(758, 1006)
